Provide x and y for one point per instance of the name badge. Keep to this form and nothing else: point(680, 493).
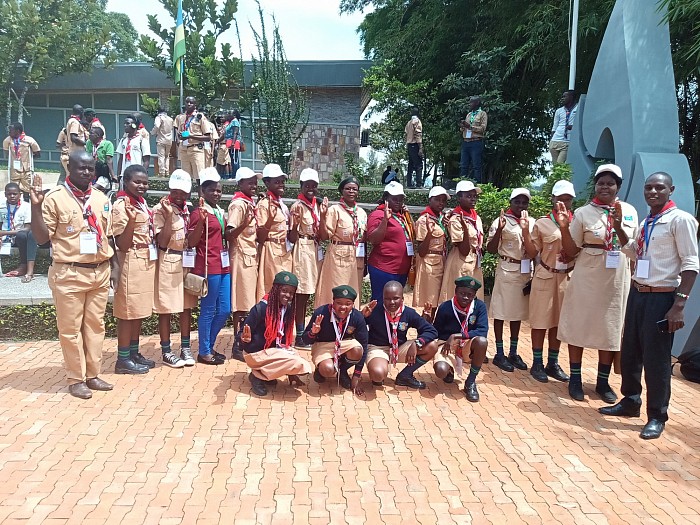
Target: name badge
point(152, 252)
point(409, 248)
point(525, 266)
point(185, 143)
point(642, 271)
point(17, 164)
point(88, 243)
point(478, 259)
point(6, 247)
point(612, 260)
point(561, 265)
point(319, 254)
point(224, 259)
point(289, 246)
point(468, 134)
point(188, 257)
point(360, 251)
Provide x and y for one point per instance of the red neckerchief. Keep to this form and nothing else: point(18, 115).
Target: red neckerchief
point(355, 221)
point(127, 150)
point(439, 220)
point(284, 335)
point(393, 322)
point(242, 196)
point(553, 214)
point(141, 126)
point(16, 142)
point(650, 221)
point(95, 121)
point(83, 197)
point(609, 226)
point(464, 325)
point(339, 333)
point(509, 213)
point(184, 212)
point(76, 117)
point(312, 207)
point(141, 204)
point(471, 217)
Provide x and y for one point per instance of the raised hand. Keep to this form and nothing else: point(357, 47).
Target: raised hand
point(387, 211)
point(131, 212)
point(617, 214)
point(368, 308)
point(249, 215)
point(431, 228)
point(316, 327)
point(502, 220)
point(524, 223)
point(562, 215)
point(246, 336)
point(203, 213)
point(36, 192)
point(323, 208)
point(167, 206)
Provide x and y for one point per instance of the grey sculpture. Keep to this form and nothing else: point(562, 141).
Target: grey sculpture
point(630, 116)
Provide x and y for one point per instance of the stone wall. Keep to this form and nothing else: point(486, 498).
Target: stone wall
point(322, 147)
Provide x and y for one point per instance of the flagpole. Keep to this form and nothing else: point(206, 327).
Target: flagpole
point(182, 69)
point(574, 41)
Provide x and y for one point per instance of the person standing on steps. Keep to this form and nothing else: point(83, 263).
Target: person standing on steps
point(414, 144)
point(473, 129)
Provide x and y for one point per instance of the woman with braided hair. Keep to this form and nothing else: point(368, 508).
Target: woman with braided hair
point(268, 336)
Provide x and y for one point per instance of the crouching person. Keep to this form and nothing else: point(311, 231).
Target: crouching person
point(268, 336)
point(337, 333)
point(462, 325)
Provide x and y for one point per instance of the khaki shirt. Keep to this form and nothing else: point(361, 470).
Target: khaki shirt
point(339, 224)
point(246, 242)
point(27, 147)
point(438, 240)
point(305, 219)
point(414, 131)
point(142, 229)
point(177, 240)
point(546, 236)
point(61, 139)
point(476, 235)
point(478, 120)
point(280, 224)
point(196, 127)
point(511, 244)
point(74, 127)
point(63, 216)
point(163, 129)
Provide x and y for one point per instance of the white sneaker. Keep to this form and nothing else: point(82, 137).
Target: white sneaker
point(173, 361)
point(187, 356)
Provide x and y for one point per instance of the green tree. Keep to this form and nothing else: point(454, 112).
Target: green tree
point(280, 105)
point(211, 69)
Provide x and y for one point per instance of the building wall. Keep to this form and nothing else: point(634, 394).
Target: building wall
point(322, 147)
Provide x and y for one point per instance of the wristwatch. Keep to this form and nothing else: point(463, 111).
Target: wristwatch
point(419, 344)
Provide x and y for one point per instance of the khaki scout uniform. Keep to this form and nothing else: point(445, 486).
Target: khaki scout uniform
point(191, 153)
point(61, 139)
point(169, 292)
point(20, 166)
point(305, 251)
point(79, 282)
point(274, 256)
point(429, 269)
point(133, 298)
point(163, 131)
point(244, 258)
point(458, 265)
point(74, 127)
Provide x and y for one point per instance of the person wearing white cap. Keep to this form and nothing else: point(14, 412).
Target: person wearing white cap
point(242, 235)
point(466, 233)
point(171, 219)
point(549, 283)
point(273, 229)
point(207, 234)
point(390, 230)
point(509, 301)
point(308, 216)
point(593, 310)
point(431, 238)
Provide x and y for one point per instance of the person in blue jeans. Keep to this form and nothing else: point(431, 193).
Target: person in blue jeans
point(473, 129)
point(206, 234)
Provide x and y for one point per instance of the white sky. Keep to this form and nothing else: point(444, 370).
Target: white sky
point(310, 29)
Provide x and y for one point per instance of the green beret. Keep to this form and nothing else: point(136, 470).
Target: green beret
point(287, 278)
point(467, 282)
point(344, 292)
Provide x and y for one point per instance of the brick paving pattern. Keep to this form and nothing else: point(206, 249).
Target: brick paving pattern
point(195, 446)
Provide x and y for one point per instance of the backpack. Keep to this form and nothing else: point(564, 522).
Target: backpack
point(690, 364)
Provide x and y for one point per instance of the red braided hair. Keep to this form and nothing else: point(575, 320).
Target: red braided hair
point(272, 318)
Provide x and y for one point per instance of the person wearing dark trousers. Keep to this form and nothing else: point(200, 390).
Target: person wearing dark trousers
point(473, 129)
point(414, 145)
point(666, 254)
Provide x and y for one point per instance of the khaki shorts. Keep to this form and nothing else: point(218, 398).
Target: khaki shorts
point(382, 352)
point(451, 359)
point(322, 351)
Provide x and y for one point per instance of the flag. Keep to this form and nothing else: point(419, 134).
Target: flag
point(179, 46)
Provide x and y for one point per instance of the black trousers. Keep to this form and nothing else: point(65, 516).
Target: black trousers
point(644, 347)
point(415, 163)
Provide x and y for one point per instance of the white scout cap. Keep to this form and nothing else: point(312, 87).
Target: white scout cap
point(438, 190)
point(609, 168)
point(563, 187)
point(519, 191)
point(180, 180)
point(394, 188)
point(272, 171)
point(308, 174)
point(208, 174)
point(466, 185)
point(244, 173)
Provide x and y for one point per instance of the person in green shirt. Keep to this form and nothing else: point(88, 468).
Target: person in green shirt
point(102, 151)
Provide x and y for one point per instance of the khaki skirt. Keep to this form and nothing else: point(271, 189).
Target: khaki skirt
point(507, 301)
point(244, 277)
point(133, 298)
point(168, 293)
point(305, 265)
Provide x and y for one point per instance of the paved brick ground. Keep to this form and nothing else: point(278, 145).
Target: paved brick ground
point(193, 446)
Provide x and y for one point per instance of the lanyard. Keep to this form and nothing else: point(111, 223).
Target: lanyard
point(464, 325)
point(83, 206)
point(188, 121)
point(355, 221)
point(473, 115)
point(392, 332)
point(219, 214)
point(339, 335)
point(280, 329)
point(11, 216)
point(566, 125)
point(401, 221)
point(143, 206)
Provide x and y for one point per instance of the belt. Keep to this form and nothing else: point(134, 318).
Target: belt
point(140, 245)
point(473, 139)
point(554, 270)
point(310, 237)
point(343, 243)
point(168, 250)
point(436, 252)
point(595, 246)
point(509, 259)
point(92, 266)
point(653, 289)
point(278, 241)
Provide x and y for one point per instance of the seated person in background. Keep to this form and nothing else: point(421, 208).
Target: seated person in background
point(462, 324)
point(388, 343)
point(15, 220)
point(268, 336)
point(337, 333)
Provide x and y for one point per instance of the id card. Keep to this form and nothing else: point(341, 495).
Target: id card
point(468, 134)
point(612, 260)
point(561, 265)
point(188, 257)
point(6, 248)
point(17, 165)
point(319, 254)
point(289, 246)
point(409, 249)
point(224, 259)
point(88, 243)
point(185, 143)
point(478, 259)
point(360, 251)
point(525, 266)
point(152, 252)
point(642, 271)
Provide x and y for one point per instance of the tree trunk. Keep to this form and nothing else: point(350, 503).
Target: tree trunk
point(20, 101)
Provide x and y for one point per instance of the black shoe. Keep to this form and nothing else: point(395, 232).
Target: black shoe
point(576, 391)
point(318, 377)
point(606, 394)
point(471, 392)
point(299, 343)
point(237, 353)
point(501, 362)
point(378, 383)
point(259, 388)
point(80, 390)
point(128, 366)
point(271, 382)
point(95, 383)
point(517, 361)
point(621, 410)
point(555, 372)
point(217, 355)
point(208, 360)
point(141, 360)
point(409, 381)
point(537, 371)
point(449, 378)
point(344, 379)
point(652, 430)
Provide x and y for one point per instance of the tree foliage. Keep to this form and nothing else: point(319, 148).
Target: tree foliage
point(211, 69)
